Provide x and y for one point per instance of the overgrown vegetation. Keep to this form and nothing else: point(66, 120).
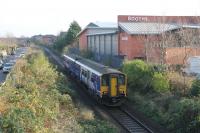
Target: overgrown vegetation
point(31, 98)
point(37, 99)
point(164, 97)
point(8, 47)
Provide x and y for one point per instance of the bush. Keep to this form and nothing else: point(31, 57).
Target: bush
point(16, 119)
point(185, 116)
point(87, 54)
point(160, 83)
point(159, 68)
point(32, 98)
point(139, 74)
point(195, 90)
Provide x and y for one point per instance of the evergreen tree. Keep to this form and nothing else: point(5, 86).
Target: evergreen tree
point(66, 38)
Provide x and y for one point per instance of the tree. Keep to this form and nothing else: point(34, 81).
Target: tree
point(67, 38)
point(72, 32)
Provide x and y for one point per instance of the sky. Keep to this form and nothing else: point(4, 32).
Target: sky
point(33, 17)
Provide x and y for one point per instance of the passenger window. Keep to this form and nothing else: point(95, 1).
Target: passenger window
point(105, 80)
point(84, 73)
point(92, 78)
point(121, 80)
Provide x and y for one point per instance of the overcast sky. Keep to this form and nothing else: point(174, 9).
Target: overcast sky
point(30, 17)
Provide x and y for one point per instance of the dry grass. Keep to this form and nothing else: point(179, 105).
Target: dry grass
point(180, 83)
point(3, 105)
point(66, 122)
point(87, 114)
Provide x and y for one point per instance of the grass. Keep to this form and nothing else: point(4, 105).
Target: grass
point(180, 84)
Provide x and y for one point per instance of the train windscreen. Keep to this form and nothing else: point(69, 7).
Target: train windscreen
point(121, 79)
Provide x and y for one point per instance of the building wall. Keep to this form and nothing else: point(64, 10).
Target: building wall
point(154, 55)
point(103, 44)
point(172, 56)
point(157, 19)
point(180, 55)
point(132, 46)
point(83, 40)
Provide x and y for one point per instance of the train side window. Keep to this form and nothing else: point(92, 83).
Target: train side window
point(87, 74)
point(121, 80)
point(92, 77)
point(84, 73)
point(105, 80)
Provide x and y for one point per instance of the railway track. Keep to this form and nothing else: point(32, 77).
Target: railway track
point(128, 121)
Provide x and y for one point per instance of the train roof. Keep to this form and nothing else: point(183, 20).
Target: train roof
point(102, 69)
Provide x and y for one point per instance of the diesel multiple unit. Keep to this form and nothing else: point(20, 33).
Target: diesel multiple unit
point(107, 85)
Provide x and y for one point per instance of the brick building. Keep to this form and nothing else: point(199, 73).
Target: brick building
point(152, 38)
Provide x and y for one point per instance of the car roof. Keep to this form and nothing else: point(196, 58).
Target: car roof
point(9, 63)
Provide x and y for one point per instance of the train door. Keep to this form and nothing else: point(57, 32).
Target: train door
point(113, 86)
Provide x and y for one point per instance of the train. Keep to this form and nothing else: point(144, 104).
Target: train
point(108, 86)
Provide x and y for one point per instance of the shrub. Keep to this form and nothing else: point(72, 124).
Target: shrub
point(159, 68)
point(32, 97)
point(87, 54)
point(195, 90)
point(160, 83)
point(16, 119)
point(139, 74)
point(185, 116)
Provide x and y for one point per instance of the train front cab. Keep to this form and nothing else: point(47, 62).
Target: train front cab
point(113, 88)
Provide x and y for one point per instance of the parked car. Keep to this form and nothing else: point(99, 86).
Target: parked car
point(7, 67)
point(1, 64)
point(13, 53)
point(17, 56)
point(13, 61)
point(22, 55)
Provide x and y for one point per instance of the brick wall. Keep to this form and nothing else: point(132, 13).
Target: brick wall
point(157, 19)
point(83, 40)
point(172, 56)
point(131, 46)
point(180, 55)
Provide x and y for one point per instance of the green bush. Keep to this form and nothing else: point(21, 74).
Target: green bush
point(185, 116)
point(139, 74)
point(87, 54)
point(195, 90)
point(160, 83)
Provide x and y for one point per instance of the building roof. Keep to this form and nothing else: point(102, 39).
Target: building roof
point(106, 24)
point(147, 28)
point(102, 33)
point(192, 26)
point(99, 25)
